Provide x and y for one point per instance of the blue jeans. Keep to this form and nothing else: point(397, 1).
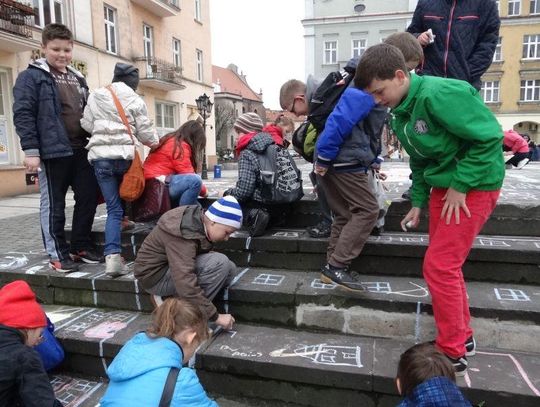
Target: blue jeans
point(184, 189)
point(109, 175)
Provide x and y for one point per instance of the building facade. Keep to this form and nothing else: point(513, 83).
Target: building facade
point(511, 86)
point(168, 40)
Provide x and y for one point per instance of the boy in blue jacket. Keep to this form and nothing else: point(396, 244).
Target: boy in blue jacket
point(49, 101)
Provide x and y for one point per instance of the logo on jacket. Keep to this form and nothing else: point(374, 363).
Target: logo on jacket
point(421, 126)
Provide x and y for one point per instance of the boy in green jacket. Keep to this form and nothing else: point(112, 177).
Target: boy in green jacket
point(454, 143)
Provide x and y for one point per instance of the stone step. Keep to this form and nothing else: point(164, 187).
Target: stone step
point(504, 315)
point(78, 391)
point(285, 365)
point(315, 369)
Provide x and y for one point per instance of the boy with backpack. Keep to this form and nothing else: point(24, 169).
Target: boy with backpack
point(50, 97)
point(268, 179)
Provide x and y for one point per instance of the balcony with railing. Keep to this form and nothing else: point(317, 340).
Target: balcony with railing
point(16, 26)
point(159, 74)
point(161, 8)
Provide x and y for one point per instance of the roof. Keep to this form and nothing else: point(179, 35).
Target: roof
point(231, 82)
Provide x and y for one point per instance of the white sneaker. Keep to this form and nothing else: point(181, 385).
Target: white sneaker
point(114, 265)
point(522, 164)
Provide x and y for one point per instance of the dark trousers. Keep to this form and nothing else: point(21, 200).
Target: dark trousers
point(56, 176)
point(517, 157)
point(326, 213)
point(355, 214)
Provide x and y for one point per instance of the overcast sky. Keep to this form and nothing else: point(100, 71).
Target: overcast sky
point(264, 38)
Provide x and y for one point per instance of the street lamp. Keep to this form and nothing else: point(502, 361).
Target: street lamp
point(204, 106)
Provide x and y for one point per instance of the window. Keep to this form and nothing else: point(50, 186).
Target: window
point(497, 56)
point(176, 51)
point(514, 7)
point(199, 65)
point(198, 10)
point(330, 52)
point(48, 11)
point(530, 90)
point(535, 7)
point(498, 4)
point(490, 91)
point(165, 115)
point(110, 29)
point(531, 46)
point(358, 47)
point(175, 3)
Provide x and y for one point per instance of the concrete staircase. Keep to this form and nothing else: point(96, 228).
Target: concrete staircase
point(301, 342)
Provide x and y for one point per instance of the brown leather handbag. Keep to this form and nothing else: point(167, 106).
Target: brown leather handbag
point(132, 185)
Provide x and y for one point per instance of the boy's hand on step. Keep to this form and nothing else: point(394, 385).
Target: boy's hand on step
point(225, 321)
point(454, 201)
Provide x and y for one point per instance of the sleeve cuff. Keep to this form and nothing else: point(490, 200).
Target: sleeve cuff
point(33, 152)
point(460, 186)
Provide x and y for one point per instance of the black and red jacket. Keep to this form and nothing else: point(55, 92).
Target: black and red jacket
point(466, 34)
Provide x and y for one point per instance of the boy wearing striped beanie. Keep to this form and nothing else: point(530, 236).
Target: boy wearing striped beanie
point(176, 258)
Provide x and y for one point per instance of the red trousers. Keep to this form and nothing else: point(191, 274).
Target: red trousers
point(449, 246)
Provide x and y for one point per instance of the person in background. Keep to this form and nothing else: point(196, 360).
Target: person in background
point(111, 149)
point(23, 380)
point(517, 144)
point(138, 373)
point(176, 161)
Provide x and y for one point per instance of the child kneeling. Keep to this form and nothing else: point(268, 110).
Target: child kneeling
point(142, 367)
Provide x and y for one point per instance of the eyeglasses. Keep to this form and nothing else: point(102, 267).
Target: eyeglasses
point(294, 102)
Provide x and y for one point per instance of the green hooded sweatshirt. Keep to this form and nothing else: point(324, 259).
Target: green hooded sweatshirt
point(452, 138)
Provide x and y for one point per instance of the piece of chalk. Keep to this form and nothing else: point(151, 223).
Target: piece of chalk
point(409, 224)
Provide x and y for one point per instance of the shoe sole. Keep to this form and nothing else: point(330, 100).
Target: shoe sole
point(62, 270)
point(78, 258)
point(471, 353)
point(327, 280)
point(461, 374)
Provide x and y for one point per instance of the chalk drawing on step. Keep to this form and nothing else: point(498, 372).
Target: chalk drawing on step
point(510, 294)
point(13, 262)
point(492, 242)
point(324, 354)
point(286, 234)
point(33, 270)
point(73, 392)
point(319, 285)
point(384, 287)
point(268, 279)
point(241, 353)
point(105, 330)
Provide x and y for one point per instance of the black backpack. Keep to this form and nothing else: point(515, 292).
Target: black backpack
point(279, 177)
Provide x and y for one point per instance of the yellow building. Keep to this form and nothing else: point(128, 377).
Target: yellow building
point(168, 40)
point(511, 86)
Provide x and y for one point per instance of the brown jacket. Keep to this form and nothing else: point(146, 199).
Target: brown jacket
point(174, 243)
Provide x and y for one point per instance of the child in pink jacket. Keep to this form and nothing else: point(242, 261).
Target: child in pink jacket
point(514, 142)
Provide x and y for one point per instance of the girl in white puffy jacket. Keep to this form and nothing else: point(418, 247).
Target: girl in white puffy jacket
point(111, 149)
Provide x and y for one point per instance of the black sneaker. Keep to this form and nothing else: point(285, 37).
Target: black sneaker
point(342, 277)
point(407, 194)
point(377, 231)
point(321, 229)
point(87, 256)
point(64, 266)
point(470, 346)
point(460, 365)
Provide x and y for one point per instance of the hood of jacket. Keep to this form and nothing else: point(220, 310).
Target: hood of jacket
point(185, 222)
point(274, 131)
point(260, 142)
point(142, 354)
point(42, 64)
point(9, 337)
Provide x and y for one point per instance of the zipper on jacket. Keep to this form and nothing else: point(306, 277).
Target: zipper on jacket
point(409, 141)
point(448, 36)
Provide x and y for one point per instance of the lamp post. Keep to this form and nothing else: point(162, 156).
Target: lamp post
point(204, 106)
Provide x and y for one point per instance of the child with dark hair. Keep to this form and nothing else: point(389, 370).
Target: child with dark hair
point(454, 142)
point(426, 378)
point(112, 147)
point(139, 372)
point(49, 99)
point(176, 161)
point(23, 380)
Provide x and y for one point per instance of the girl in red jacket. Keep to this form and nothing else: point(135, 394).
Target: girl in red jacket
point(516, 143)
point(175, 162)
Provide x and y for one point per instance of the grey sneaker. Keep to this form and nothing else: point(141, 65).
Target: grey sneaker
point(342, 277)
point(114, 265)
point(460, 365)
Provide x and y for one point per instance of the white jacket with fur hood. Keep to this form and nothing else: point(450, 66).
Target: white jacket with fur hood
point(109, 137)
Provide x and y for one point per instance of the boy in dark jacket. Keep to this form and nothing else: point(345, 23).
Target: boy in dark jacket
point(454, 143)
point(23, 380)
point(176, 258)
point(462, 39)
point(49, 101)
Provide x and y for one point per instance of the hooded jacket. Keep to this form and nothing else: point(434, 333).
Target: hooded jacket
point(452, 138)
point(37, 112)
point(466, 34)
point(178, 238)
point(139, 371)
point(247, 187)
point(514, 142)
point(275, 132)
point(109, 137)
point(435, 392)
point(23, 380)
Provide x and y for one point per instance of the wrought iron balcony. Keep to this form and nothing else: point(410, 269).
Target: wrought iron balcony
point(161, 8)
point(158, 74)
point(16, 24)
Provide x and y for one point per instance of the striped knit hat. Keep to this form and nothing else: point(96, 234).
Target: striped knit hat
point(249, 123)
point(226, 211)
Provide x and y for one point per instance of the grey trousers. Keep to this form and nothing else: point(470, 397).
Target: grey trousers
point(214, 272)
